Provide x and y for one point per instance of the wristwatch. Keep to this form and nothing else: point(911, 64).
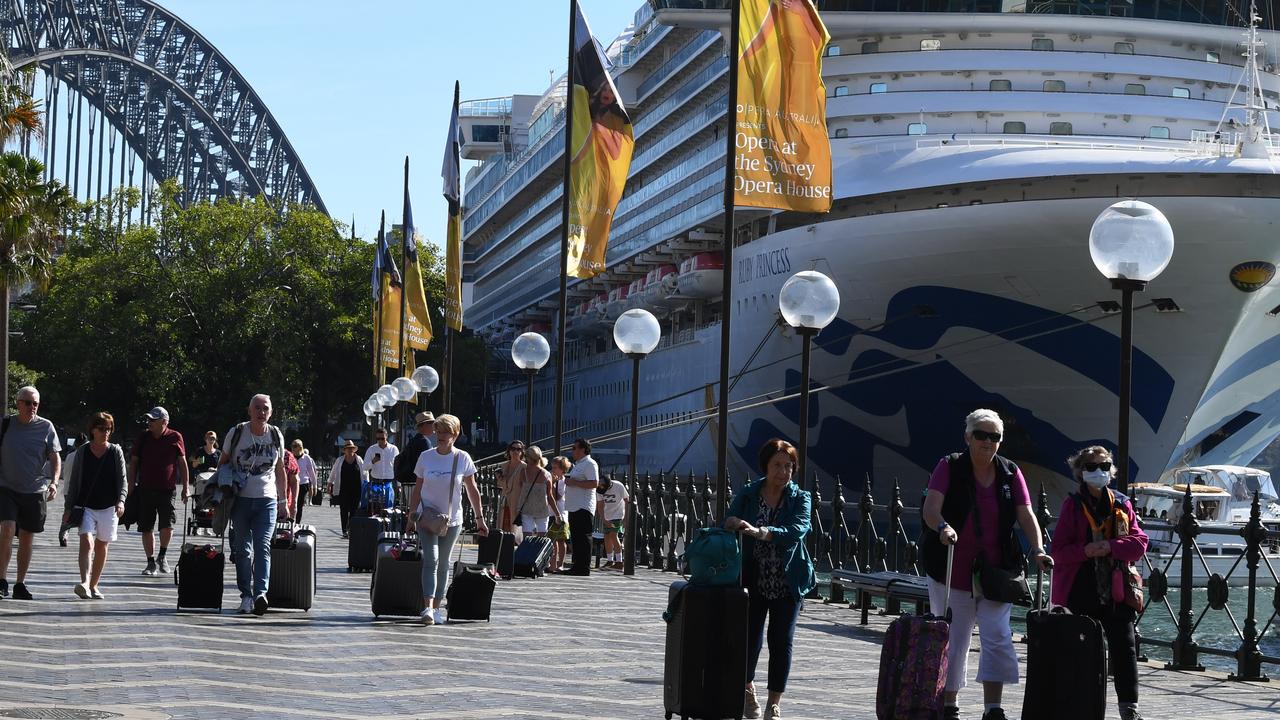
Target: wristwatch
point(942, 526)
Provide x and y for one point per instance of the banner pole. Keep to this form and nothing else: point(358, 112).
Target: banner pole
point(404, 292)
point(564, 237)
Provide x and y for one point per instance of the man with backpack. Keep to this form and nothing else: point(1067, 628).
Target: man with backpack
point(27, 443)
point(256, 450)
point(407, 460)
point(158, 462)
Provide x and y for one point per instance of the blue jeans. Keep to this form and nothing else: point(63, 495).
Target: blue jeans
point(435, 562)
point(782, 615)
point(253, 520)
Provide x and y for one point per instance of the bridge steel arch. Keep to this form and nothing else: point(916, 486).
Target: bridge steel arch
point(177, 102)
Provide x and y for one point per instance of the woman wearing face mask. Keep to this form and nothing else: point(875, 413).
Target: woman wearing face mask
point(1098, 537)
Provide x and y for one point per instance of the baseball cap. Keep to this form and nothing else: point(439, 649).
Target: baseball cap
point(424, 417)
point(157, 413)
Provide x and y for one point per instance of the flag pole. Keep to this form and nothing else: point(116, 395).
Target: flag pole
point(564, 235)
point(404, 289)
point(377, 324)
point(726, 290)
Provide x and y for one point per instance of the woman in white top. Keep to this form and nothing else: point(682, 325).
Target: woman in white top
point(441, 474)
point(306, 477)
point(537, 494)
point(559, 527)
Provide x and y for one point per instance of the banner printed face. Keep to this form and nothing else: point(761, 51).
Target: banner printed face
point(783, 157)
point(601, 143)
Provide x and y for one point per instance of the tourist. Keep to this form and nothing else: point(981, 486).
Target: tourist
point(538, 500)
point(95, 491)
point(772, 514)
point(1098, 537)
point(612, 507)
point(205, 458)
point(380, 464)
point(29, 442)
point(306, 477)
point(977, 476)
point(345, 482)
point(257, 450)
point(158, 462)
point(509, 477)
point(407, 460)
point(580, 503)
point(441, 475)
point(558, 527)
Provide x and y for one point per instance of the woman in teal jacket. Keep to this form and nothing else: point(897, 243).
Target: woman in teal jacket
point(772, 514)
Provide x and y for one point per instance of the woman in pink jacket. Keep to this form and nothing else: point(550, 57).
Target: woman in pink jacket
point(1095, 544)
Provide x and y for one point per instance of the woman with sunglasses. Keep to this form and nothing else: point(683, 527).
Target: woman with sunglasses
point(1095, 544)
point(509, 479)
point(975, 497)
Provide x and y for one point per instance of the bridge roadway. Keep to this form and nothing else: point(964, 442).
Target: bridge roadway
point(558, 647)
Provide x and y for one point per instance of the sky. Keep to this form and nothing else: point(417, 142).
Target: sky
point(358, 86)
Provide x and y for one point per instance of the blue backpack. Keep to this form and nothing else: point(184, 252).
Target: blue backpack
point(714, 558)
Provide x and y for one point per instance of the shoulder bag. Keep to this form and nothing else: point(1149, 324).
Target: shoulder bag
point(519, 519)
point(432, 521)
point(997, 582)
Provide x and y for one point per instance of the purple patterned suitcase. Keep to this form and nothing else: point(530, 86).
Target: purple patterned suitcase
point(913, 664)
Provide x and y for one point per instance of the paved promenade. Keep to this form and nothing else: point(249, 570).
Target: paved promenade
point(559, 647)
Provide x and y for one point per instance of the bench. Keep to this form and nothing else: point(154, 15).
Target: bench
point(892, 586)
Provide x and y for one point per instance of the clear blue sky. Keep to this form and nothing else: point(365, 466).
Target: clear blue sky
point(358, 86)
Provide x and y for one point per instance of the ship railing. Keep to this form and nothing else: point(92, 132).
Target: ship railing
point(1025, 141)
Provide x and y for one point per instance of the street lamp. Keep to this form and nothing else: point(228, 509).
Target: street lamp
point(405, 390)
point(530, 352)
point(1131, 243)
point(636, 333)
point(809, 302)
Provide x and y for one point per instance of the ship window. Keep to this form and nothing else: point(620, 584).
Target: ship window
point(833, 50)
point(1000, 85)
point(869, 48)
point(879, 88)
point(1059, 128)
point(1015, 127)
point(917, 129)
point(1159, 132)
point(1055, 86)
point(1181, 92)
point(842, 90)
point(1135, 89)
point(930, 44)
point(842, 132)
point(1041, 43)
point(1211, 56)
point(1123, 48)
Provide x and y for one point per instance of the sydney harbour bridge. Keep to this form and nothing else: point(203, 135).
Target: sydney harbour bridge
point(134, 95)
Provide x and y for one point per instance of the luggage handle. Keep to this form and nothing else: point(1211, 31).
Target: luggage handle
point(186, 508)
point(946, 597)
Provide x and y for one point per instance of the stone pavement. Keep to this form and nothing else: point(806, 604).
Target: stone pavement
point(558, 647)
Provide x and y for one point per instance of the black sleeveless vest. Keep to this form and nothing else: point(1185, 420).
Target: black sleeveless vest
point(956, 509)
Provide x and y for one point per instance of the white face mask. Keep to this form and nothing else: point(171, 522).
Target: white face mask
point(1097, 478)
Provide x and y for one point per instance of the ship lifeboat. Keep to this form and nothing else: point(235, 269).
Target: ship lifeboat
point(542, 328)
point(596, 311)
point(617, 303)
point(701, 276)
point(634, 292)
point(654, 296)
point(579, 320)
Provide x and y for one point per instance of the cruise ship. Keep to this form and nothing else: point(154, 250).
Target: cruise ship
point(973, 145)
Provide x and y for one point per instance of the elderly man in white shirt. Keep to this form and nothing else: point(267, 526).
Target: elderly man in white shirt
point(380, 463)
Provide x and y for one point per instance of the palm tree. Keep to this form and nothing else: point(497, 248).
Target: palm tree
point(19, 113)
point(32, 213)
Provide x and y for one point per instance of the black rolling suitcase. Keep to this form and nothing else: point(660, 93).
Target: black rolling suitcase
point(199, 574)
point(293, 567)
point(396, 587)
point(1066, 667)
point(470, 594)
point(362, 542)
point(531, 558)
point(705, 669)
point(498, 549)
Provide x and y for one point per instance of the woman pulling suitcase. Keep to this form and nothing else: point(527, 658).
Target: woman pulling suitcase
point(1096, 542)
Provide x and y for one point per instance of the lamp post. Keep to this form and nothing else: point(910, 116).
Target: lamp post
point(636, 333)
point(809, 302)
point(405, 390)
point(1131, 243)
point(386, 398)
point(530, 352)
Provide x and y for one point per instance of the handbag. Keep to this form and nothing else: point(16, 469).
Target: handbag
point(430, 520)
point(998, 583)
point(76, 515)
point(519, 518)
point(1126, 586)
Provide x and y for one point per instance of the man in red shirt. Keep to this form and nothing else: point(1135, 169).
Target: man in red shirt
point(157, 464)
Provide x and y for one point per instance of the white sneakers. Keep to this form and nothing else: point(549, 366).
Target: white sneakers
point(246, 606)
point(428, 616)
point(82, 591)
point(441, 617)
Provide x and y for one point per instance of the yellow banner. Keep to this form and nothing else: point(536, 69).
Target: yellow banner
point(783, 157)
point(601, 143)
point(416, 336)
point(453, 274)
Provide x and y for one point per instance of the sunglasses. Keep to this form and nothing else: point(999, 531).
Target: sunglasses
point(32, 403)
point(984, 435)
point(1094, 466)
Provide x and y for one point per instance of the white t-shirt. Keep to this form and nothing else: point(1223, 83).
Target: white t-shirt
point(576, 498)
point(256, 456)
point(385, 468)
point(434, 469)
point(615, 501)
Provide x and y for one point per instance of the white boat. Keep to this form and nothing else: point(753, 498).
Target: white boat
point(654, 295)
point(1220, 495)
point(701, 276)
point(616, 304)
point(634, 293)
